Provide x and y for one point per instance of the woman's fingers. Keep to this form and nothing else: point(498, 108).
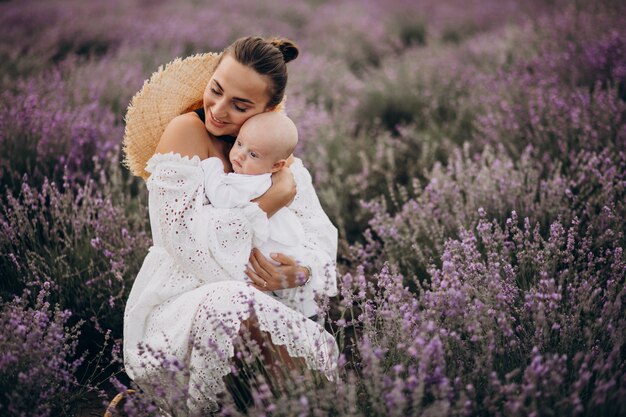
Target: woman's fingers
point(256, 281)
point(260, 264)
point(265, 273)
point(277, 276)
point(285, 272)
point(284, 259)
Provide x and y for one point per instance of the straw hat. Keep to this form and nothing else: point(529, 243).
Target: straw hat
point(169, 92)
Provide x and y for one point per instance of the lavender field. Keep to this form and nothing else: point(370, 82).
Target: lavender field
point(472, 154)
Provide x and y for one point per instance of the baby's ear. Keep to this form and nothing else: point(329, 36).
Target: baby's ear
point(278, 165)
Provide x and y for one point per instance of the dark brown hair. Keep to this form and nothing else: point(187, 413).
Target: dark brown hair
point(268, 58)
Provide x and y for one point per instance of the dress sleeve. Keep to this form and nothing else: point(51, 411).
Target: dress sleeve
point(320, 235)
point(210, 243)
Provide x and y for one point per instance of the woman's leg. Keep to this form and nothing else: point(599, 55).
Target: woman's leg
point(275, 358)
point(256, 359)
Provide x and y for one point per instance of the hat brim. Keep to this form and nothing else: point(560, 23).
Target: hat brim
point(169, 92)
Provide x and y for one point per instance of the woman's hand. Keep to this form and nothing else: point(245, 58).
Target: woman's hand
point(283, 272)
point(280, 194)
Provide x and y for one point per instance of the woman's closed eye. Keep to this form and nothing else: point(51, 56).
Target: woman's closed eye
point(235, 106)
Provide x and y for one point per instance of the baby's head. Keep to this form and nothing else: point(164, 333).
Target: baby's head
point(264, 143)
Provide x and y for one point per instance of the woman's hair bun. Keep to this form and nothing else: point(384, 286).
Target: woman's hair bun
point(287, 48)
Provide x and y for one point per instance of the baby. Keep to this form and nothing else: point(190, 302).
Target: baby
point(264, 143)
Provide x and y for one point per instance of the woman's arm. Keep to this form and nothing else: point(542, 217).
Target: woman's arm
point(280, 194)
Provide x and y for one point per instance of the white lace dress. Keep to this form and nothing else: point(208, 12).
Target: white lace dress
point(185, 309)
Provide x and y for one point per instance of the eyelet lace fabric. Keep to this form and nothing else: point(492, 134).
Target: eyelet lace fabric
point(188, 301)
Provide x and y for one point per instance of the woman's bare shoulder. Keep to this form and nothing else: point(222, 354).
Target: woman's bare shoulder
point(186, 135)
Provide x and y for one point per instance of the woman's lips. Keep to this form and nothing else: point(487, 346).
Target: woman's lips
point(215, 122)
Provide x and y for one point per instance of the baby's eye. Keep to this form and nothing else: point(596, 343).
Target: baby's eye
point(253, 154)
point(239, 143)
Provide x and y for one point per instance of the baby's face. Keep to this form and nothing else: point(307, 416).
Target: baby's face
point(251, 154)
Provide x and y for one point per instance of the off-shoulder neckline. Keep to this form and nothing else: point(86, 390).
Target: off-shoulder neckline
point(193, 160)
point(174, 156)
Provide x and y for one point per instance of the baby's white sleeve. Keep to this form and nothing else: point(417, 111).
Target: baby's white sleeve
point(220, 194)
point(226, 191)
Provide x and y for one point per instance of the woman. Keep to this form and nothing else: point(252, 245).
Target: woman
point(183, 310)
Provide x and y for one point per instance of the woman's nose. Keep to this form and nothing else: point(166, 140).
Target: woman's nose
point(219, 108)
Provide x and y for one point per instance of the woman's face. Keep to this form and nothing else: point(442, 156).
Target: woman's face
point(234, 93)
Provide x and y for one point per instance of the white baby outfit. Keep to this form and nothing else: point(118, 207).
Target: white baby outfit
point(186, 307)
point(284, 235)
